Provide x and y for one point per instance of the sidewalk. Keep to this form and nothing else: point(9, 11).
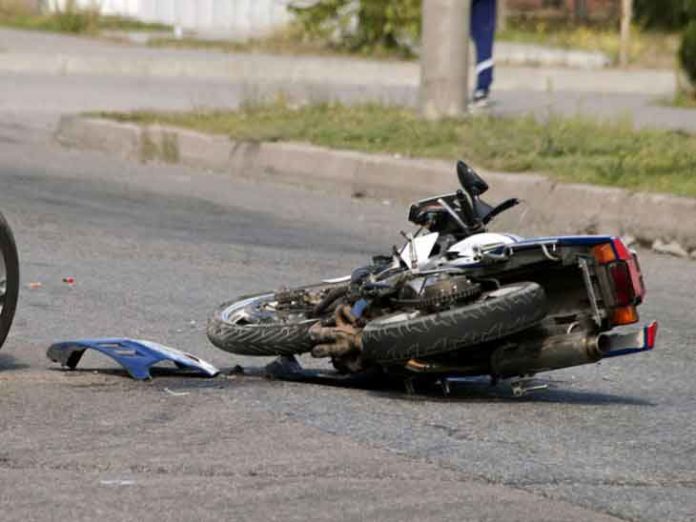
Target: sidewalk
point(601, 92)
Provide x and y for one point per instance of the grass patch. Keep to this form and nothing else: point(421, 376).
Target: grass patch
point(681, 101)
point(570, 149)
point(289, 40)
point(652, 49)
point(648, 49)
point(71, 20)
point(78, 23)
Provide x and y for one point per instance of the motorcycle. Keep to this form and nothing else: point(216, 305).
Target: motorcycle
point(9, 278)
point(455, 301)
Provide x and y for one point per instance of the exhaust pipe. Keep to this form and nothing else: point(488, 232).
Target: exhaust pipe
point(547, 353)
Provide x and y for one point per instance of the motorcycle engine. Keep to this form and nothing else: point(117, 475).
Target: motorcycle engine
point(445, 292)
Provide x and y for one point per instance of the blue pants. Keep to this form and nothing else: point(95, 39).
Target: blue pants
point(483, 14)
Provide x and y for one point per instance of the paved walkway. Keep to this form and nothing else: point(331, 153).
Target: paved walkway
point(604, 92)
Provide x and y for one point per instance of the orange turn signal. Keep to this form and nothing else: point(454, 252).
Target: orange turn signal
point(625, 315)
point(416, 366)
point(604, 253)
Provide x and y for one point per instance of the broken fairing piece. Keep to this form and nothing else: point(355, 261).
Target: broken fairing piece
point(136, 356)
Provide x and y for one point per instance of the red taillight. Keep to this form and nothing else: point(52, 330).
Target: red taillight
point(624, 293)
point(624, 254)
point(625, 277)
point(624, 270)
point(622, 251)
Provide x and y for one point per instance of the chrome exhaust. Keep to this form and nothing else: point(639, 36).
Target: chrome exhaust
point(547, 353)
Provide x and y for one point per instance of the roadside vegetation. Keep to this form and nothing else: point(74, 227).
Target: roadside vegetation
point(382, 29)
point(570, 149)
point(652, 49)
point(289, 40)
point(648, 48)
point(687, 60)
point(71, 19)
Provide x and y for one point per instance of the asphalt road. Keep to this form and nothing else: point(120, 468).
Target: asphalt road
point(154, 248)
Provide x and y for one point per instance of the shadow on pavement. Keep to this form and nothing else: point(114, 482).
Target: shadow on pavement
point(9, 362)
point(503, 394)
point(376, 385)
point(477, 389)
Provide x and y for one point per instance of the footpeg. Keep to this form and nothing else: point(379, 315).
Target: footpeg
point(521, 387)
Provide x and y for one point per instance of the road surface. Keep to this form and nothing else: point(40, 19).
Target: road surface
point(154, 248)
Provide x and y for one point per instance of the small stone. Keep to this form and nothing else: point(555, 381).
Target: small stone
point(672, 248)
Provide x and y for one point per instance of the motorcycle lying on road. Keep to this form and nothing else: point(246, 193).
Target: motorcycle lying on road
point(9, 278)
point(455, 301)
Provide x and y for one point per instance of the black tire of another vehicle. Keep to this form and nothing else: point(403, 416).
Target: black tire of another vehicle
point(258, 339)
point(508, 310)
point(8, 250)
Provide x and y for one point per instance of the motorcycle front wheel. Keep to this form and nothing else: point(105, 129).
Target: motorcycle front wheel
point(9, 278)
point(255, 326)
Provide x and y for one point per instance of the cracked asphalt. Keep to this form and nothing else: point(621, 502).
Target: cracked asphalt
point(154, 248)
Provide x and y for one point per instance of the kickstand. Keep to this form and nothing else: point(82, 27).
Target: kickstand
point(410, 386)
point(445, 386)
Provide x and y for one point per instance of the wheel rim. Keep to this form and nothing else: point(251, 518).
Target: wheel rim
point(3, 283)
point(259, 310)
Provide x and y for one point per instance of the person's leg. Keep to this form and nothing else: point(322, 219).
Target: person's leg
point(483, 13)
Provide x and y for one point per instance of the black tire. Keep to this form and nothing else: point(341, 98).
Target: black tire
point(268, 339)
point(8, 250)
point(509, 310)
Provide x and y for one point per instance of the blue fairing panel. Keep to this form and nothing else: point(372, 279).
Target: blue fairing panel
point(136, 356)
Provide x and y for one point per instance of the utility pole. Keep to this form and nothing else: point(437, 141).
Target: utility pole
point(444, 89)
point(626, 17)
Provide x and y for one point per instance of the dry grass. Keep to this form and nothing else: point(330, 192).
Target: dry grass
point(651, 49)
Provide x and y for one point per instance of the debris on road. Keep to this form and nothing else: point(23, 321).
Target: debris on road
point(35, 285)
point(117, 482)
point(175, 393)
point(673, 248)
point(136, 356)
point(69, 280)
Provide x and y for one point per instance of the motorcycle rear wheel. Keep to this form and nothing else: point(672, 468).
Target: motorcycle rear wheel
point(396, 338)
point(9, 278)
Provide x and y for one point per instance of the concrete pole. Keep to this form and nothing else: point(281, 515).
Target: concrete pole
point(626, 17)
point(444, 90)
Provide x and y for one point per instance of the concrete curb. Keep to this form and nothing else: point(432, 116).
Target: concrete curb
point(665, 222)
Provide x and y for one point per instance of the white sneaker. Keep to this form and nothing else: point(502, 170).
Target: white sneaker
point(481, 101)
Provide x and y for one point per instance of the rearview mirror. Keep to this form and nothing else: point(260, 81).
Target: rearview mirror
point(470, 181)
